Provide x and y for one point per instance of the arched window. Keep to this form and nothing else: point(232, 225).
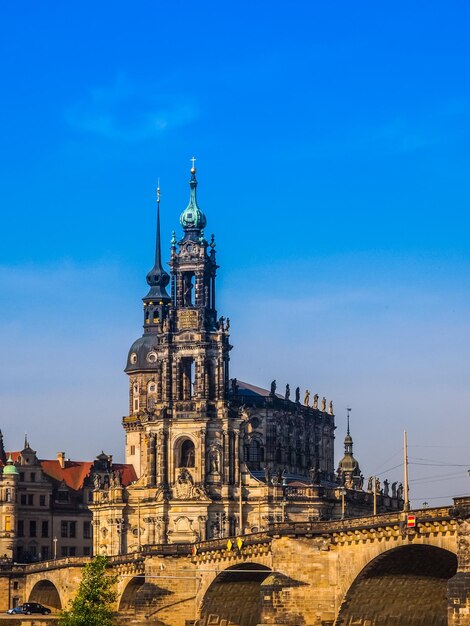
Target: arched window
point(187, 454)
point(254, 453)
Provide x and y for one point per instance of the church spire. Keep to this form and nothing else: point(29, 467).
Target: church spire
point(192, 219)
point(158, 278)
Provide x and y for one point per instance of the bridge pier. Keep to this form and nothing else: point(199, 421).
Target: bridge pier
point(458, 588)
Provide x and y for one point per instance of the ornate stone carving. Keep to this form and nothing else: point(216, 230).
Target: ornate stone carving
point(185, 489)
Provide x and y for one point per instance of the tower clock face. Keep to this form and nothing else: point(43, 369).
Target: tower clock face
point(133, 358)
point(152, 357)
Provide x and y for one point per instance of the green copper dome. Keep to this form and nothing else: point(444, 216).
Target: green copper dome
point(192, 218)
point(10, 467)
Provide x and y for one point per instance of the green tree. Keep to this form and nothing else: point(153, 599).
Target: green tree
point(93, 604)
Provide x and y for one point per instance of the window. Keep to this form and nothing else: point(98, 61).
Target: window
point(15, 585)
point(32, 528)
point(45, 529)
point(44, 553)
point(187, 454)
point(72, 551)
point(42, 500)
point(68, 551)
point(86, 551)
point(20, 528)
point(21, 476)
point(23, 498)
point(30, 499)
point(136, 404)
point(63, 495)
point(63, 551)
point(7, 523)
point(86, 530)
point(33, 477)
point(132, 450)
point(7, 495)
point(68, 529)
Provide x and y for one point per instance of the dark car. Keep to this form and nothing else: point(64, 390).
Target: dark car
point(34, 607)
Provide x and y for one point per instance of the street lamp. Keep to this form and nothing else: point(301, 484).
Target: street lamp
point(55, 547)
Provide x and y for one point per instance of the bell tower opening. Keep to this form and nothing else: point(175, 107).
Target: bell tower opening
point(188, 279)
point(188, 381)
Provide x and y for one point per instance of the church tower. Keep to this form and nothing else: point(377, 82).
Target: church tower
point(179, 371)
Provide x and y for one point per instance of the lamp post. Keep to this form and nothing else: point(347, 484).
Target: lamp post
point(342, 491)
point(55, 548)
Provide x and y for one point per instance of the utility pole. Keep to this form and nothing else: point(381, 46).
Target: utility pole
point(406, 506)
point(139, 547)
point(240, 501)
point(374, 489)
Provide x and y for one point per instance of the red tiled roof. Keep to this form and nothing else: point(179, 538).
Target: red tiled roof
point(128, 474)
point(73, 474)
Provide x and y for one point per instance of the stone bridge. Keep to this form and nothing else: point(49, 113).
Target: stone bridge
point(368, 571)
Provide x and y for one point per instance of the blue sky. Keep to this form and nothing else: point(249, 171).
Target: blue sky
point(332, 144)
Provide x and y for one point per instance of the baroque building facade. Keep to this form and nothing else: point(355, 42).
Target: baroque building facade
point(213, 456)
point(44, 503)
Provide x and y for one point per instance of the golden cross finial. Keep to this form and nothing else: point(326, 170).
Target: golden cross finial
point(193, 160)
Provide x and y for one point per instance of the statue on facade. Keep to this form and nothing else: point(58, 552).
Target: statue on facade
point(400, 492)
point(273, 388)
point(315, 475)
point(307, 397)
point(315, 401)
point(394, 489)
point(166, 325)
point(386, 487)
point(235, 386)
point(213, 460)
point(221, 322)
point(267, 474)
point(377, 485)
point(96, 481)
point(227, 325)
point(323, 404)
point(330, 408)
point(369, 484)
point(297, 395)
point(360, 482)
point(287, 395)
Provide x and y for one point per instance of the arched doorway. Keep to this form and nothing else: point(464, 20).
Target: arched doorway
point(405, 586)
point(234, 596)
point(127, 601)
point(46, 593)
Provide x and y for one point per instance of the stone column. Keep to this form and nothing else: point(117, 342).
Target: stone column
point(225, 460)
point(151, 459)
point(160, 455)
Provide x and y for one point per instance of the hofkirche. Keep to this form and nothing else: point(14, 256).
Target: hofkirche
point(215, 456)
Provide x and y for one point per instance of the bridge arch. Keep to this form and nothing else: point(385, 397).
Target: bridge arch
point(45, 592)
point(234, 596)
point(127, 600)
point(404, 586)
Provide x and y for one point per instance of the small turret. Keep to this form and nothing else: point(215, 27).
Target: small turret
point(192, 219)
point(349, 471)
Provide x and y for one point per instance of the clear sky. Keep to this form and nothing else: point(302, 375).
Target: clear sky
point(332, 141)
